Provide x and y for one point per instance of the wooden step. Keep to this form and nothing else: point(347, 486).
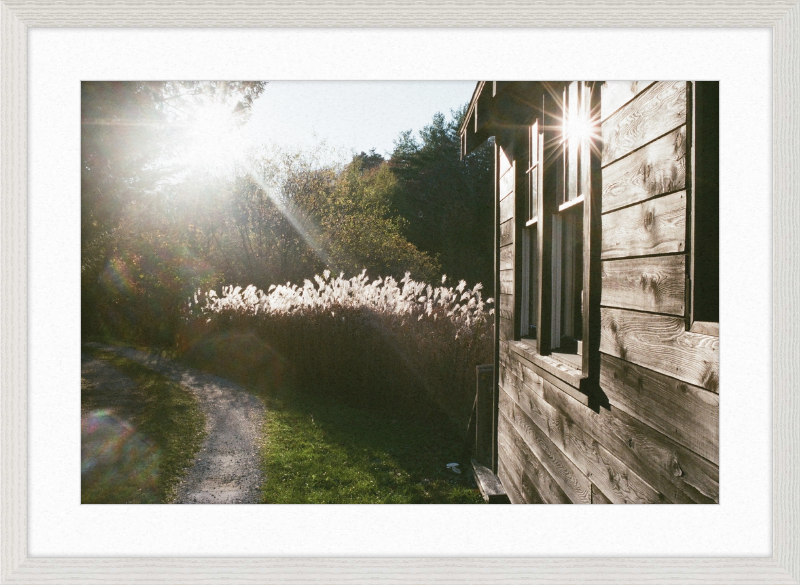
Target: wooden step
point(490, 485)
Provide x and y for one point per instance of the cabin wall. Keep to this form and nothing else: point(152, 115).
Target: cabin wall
point(507, 196)
point(656, 437)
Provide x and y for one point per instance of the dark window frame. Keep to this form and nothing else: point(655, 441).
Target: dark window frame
point(702, 267)
point(556, 197)
point(529, 302)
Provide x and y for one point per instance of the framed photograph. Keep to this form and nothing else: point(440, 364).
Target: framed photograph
point(615, 271)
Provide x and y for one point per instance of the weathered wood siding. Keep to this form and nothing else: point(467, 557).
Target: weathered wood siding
point(656, 438)
point(505, 192)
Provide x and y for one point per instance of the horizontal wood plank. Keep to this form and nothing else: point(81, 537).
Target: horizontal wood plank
point(507, 282)
point(532, 477)
point(506, 329)
point(681, 475)
point(659, 167)
point(507, 233)
point(655, 111)
point(507, 307)
point(506, 184)
point(616, 94)
point(509, 471)
point(513, 367)
point(509, 456)
point(675, 471)
point(685, 413)
point(656, 226)
point(618, 482)
point(655, 284)
point(513, 482)
point(574, 483)
point(662, 344)
point(507, 258)
point(503, 352)
point(705, 327)
point(565, 377)
point(509, 482)
point(506, 208)
point(532, 480)
point(598, 497)
point(506, 157)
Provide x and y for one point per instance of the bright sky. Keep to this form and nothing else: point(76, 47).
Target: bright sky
point(350, 115)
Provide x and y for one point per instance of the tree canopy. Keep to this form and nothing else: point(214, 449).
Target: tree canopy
point(447, 203)
point(157, 224)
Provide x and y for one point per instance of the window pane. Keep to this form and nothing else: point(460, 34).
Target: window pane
point(573, 140)
point(533, 171)
point(572, 278)
point(530, 286)
point(706, 202)
point(534, 145)
point(567, 262)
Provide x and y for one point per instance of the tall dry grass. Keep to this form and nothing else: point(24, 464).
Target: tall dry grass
point(400, 346)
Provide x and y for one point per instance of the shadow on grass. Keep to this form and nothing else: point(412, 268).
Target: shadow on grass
point(333, 443)
point(319, 450)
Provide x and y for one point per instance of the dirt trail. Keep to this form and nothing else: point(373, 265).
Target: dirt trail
point(227, 469)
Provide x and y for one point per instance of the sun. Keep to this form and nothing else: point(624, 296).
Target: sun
point(212, 138)
point(578, 123)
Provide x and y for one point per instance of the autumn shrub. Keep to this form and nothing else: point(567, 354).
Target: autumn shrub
point(400, 346)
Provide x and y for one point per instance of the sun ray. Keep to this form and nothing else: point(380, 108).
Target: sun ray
point(303, 227)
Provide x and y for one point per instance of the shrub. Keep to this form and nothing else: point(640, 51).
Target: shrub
point(404, 347)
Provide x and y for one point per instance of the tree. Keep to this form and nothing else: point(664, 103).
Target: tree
point(276, 207)
point(446, 202)
point(129, 183)
point(158, 224)
point(295, 217)
point(362, 228)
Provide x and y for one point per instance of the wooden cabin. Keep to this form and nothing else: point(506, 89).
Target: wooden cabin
point(606, 367)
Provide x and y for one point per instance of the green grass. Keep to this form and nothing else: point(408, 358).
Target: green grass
point(170, 427)
point(318, 450)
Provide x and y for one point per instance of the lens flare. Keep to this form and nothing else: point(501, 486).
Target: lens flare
point(117, 461)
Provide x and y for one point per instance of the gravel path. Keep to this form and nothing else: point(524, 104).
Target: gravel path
point(227, 469)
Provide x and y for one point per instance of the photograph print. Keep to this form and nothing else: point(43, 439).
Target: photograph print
point(298, 292)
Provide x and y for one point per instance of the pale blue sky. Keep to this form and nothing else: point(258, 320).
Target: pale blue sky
point(350, 115)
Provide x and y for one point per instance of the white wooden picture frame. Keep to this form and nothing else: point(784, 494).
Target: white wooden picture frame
point(781, 16)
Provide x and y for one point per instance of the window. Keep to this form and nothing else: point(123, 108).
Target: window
point(554, 235)
point(567, 251)
point(567, 258)
point(530, 244)
point(703, 316)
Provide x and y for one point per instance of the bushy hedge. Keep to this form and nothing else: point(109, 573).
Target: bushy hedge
point(405, 347)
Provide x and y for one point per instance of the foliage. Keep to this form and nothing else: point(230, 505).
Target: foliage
point(157, 225)
point(447, 202)
point(362, 230)
point(130, 212)
point(296, 217)
point(382, 345)
point(155, 229)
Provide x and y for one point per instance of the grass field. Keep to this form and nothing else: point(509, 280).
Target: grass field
point(319, 450)
point(147, 441)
